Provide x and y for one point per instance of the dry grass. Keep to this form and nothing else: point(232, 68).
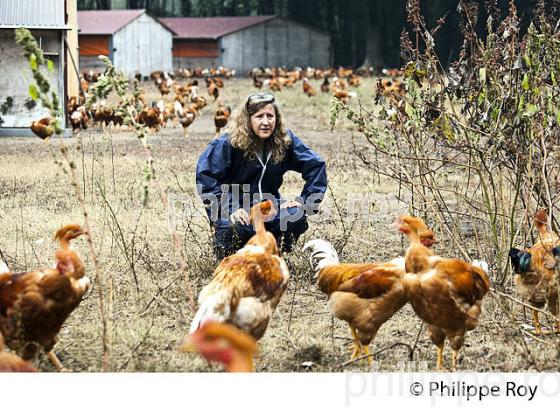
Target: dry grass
point(148, 313)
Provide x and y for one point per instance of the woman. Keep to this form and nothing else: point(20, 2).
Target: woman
point(246, 165)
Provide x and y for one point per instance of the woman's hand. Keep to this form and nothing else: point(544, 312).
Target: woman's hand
point(240, 216)
point(290, 204)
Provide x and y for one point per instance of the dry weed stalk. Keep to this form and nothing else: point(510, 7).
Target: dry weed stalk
point(129, 107)
point(40, 90)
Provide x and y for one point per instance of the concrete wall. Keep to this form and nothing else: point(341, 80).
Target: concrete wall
point(277, 42)
point(143, 45)
point(15, 75)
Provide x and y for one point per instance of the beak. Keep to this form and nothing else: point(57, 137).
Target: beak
point(188, 346)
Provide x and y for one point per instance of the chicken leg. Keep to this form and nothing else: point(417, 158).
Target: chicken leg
point(536, 323)
point(56, 362)
point(357, 344)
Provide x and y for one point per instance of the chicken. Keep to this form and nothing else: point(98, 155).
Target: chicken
point(221, 117)
point(79, 119)
point(34, 305)
point(534, 271)
point(308, 88)
point(445, 293)
point(213, 90)
point(223, 343)
point(247, 286)
point(151, 117)
point(325, 86)
point(185, 116)
point(10, 362)
point(257, 82)
point(391, 90)
point(354, 80)
point(43, 128)
point(365, 295)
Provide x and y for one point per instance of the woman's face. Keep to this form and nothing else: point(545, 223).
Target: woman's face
point(264, 121)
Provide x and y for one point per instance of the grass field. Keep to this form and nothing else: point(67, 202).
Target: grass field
point(145, 296)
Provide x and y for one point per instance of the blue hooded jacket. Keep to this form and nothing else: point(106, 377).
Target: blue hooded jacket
point(221, 164)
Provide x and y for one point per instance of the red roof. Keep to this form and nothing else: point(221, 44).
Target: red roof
point(105, 21)
point(210, 27)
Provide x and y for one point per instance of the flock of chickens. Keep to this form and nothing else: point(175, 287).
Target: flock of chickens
point(236, 306)
point(188, 102)
point(445, 293)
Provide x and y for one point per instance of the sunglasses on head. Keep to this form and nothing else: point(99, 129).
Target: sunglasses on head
point(259, 98)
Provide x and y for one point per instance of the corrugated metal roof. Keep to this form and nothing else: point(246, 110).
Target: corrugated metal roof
point(105, 21)
point(40, 14)
point(210, 27)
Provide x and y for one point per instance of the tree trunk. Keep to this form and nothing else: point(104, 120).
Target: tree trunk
point(374, 52)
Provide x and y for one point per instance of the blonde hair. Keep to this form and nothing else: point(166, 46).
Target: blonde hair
point(243, 138)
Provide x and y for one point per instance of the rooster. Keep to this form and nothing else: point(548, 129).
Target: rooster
point(221, 117)
point(365, 295)
point(34, 305)
point(445, 293)
point(534, 271)
point(247, 286)
point(223, 343)
point(43, 128)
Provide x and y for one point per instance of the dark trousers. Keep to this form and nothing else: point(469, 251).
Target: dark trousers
point(229, 238)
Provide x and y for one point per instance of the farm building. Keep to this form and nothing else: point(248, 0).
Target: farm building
point(53, 23)
point(134, 41)
point(242, 43)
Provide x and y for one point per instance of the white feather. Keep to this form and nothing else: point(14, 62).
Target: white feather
point(481, 264)
point(3, 267)
point(178, 109)
point(322, 254)
point(215, 307)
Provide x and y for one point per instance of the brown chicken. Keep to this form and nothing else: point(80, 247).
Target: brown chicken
point(325, 86)
point(221, 117)
point(10, 362)
point(223, 343)
point(365, 295)
point(151, 118)
point(34, 305)
point(534, 271)
point(247, 285)
point(213, 90)
point(43, 128)
point(445, 293)
point(308, 88)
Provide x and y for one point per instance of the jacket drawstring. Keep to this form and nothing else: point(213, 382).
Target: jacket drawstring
point(264, 164)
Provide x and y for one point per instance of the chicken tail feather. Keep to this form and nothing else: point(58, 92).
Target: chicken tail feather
point(322, 254)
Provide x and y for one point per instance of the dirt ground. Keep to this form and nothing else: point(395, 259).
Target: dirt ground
point(146, 301)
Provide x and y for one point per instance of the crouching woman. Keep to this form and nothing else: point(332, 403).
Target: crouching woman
point(247, 165)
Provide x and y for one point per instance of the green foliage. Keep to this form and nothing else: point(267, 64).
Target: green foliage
point(478, 143)
point(39, 90)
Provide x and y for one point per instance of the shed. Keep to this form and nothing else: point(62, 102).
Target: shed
point(133, 40)
point(242, 43)
point(50, 22)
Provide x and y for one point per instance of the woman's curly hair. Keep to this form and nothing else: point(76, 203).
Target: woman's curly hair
point(243, 138)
